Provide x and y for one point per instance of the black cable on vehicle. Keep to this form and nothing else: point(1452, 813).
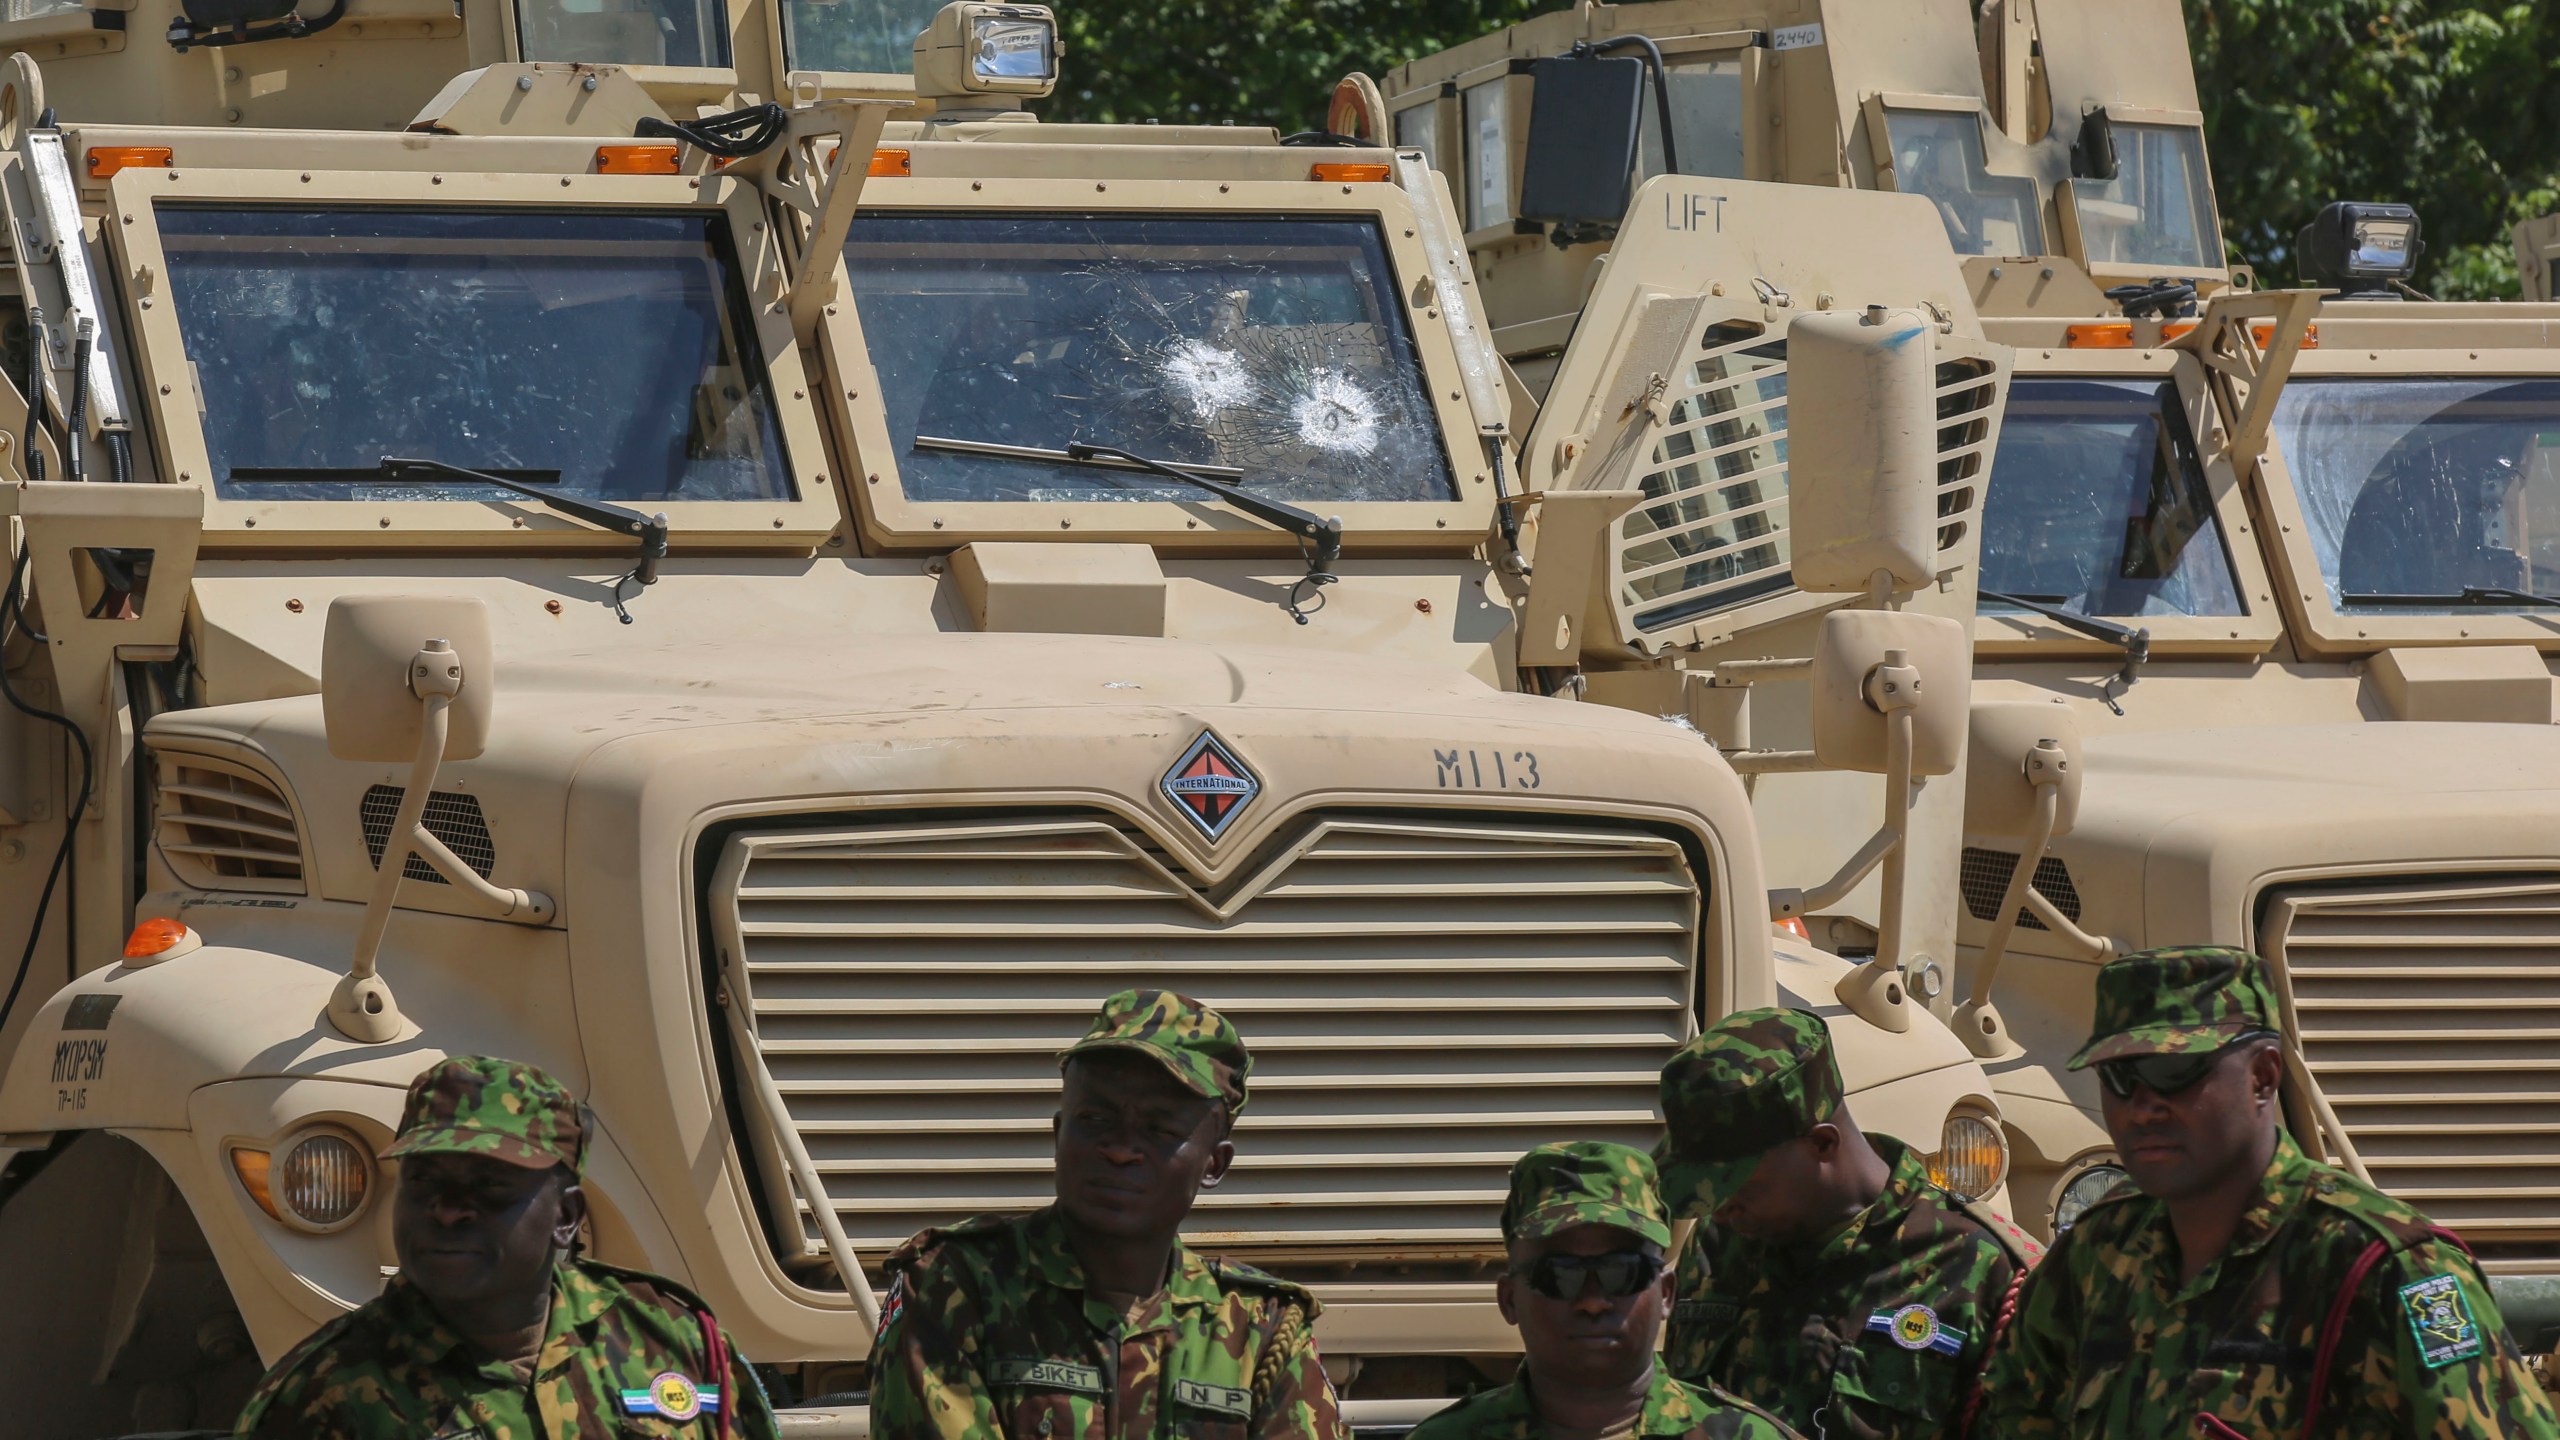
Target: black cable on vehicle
point(74, 463)
point(13, 609)
point(34, 462)
point(733, 136)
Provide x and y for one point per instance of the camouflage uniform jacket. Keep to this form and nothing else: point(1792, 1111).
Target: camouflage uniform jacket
point(1876, 1335)
point(393, 1370)
point(987, 1331)
point(2109, 1342)
point(1672, 1411)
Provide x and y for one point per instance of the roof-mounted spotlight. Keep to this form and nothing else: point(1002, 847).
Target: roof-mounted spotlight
point(2361, 248)
point(989, 57)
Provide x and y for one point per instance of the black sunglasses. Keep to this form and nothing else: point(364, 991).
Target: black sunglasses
point(2167, 1074)
point(1568, 1277)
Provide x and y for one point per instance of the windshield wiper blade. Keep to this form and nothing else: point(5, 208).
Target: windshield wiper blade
point(649, 530)
point(1319, 538)
point(2471, 595)
point(2134, 640)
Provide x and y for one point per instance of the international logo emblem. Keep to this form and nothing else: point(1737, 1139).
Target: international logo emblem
point(1917, 1327)
point(1210, 785)
point(671, 1395)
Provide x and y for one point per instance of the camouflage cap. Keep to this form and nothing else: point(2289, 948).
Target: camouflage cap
point(1584, 1182)
point(504, 1109)
point(2182, 1001)
point(1196, 1043)
point(1754, 1080)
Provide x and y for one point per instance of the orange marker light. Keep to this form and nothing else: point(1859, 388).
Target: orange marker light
point(1346, 174)
point(635, 160)
point(252, 1167)
point(2106, 335)
point(156, 937)
point(892, 162)
point(1796, 928)
point(105, 160)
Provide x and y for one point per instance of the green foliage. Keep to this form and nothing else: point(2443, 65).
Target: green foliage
point(1252, 62)
point(2447, 107)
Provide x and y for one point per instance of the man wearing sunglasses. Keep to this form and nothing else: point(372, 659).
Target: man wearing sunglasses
point(2237, 1287)
point(1089, 1319)
point(1587, 1288)
point(1830, 1281)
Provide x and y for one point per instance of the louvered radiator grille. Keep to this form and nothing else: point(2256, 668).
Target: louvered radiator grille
point(1424, 1001)
point(1713, 531)
point(221, 826)
point(2430, 1016)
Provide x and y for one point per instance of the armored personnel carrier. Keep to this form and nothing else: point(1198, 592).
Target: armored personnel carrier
point(769, 613)
point(2272, 570)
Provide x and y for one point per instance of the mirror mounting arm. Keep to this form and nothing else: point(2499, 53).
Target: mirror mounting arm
point(1875, 989)
point(362, 1006)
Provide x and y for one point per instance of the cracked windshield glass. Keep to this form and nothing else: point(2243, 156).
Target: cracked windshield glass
point(602, 352)
point(2098, 506)
point(2428, 496)
point(1270, 350)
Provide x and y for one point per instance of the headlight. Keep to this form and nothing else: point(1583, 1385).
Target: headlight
point(2085, 1190)
point(1012, 48)
point(319, 1186)
point(1972, 1158)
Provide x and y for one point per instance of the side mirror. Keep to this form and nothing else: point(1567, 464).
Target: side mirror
point(2007, 763)
point(369, 700)
point(2093, 155)
point(1862, 450)
point(1583, 132)
point(1853, 668)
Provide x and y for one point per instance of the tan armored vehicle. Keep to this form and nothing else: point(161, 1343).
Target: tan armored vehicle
point(772, 634)
point(2210, 586)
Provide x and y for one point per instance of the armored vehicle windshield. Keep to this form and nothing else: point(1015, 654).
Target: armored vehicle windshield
point(690, 33)
point(863, 37)
point(2425, 496)
point(1271, 348)
point(604, 351)
point(2098, 504)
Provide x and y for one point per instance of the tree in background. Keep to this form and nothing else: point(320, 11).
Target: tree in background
point(2452, 108)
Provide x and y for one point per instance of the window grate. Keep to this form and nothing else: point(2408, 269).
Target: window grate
point(1986, 878)
point(451, 817)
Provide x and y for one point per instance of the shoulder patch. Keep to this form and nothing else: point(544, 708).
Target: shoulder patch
point(1236, 1275)
point(2024, 1249)
point(2440, 1321)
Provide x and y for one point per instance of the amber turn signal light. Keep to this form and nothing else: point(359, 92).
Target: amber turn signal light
point(892, 162)
point(635, 159)
point(1347, 174)
point(105, 160)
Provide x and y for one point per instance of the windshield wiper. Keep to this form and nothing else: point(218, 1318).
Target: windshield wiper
point(2135, 641)
point(1319, 538)
point(2471, 595)
point(649, 530)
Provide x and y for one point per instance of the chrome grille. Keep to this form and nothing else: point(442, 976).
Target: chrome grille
point(1425, 999)
point(222, 826)
point(2430, 1016)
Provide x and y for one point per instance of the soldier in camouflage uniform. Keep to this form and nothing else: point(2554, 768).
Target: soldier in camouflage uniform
point(494, 1329)
point(2236, 1287)
point(1089, 1319)
point(1829, 1281)
point(1587, 1287)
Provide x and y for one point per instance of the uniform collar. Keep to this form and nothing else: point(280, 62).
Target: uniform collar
point(1670, 1408)
point(1906, 1181)
point(2281, 1191)
point(419, 1332)
point(1188, 1282)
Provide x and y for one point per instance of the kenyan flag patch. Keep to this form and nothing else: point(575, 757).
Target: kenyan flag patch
point(2440, 1321)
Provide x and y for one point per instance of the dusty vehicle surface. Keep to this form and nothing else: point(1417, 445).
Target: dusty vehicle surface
point(2280, 566)
point(693, 659)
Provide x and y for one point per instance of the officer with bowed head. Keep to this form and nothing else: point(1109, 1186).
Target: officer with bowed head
point(1587, 1287)
point(1830, 1281)
point(2237, 1287)
point(494, 1326)
point(1089, 1319)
